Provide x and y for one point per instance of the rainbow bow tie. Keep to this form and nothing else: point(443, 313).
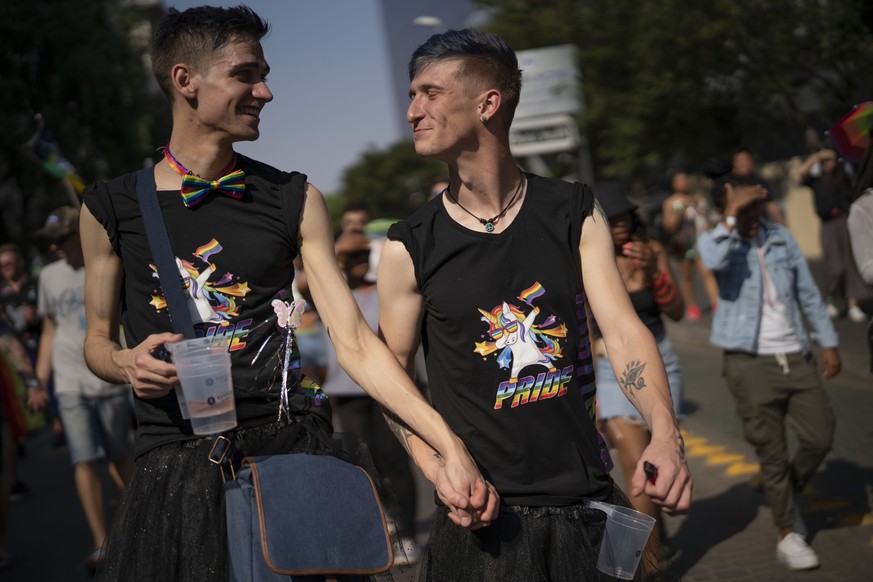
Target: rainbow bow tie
point(195, 189)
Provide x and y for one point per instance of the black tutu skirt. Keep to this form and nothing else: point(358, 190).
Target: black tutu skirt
point(171, 524)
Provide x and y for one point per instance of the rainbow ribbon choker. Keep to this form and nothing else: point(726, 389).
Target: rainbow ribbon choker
point(194, 188)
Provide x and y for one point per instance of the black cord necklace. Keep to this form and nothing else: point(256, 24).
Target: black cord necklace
point(489, 223)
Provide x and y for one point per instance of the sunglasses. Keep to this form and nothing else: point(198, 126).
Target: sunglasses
point(511, 327)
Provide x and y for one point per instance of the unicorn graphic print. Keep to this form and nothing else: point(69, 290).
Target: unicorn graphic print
point(521, 343)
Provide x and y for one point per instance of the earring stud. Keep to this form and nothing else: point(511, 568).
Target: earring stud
point(483, 118)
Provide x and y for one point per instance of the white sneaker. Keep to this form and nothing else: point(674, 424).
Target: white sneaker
point(857, 315)
point(406, 553)
point(795, 553)
point(833, 311)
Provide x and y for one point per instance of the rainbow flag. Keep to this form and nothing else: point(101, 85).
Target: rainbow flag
point(532, 292)
point(209, 249)
point(48, 154)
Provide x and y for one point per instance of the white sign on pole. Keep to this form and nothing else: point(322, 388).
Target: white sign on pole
point(543, 135)
point(550, 82)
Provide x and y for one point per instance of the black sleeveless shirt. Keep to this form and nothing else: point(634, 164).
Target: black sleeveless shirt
point(506, 341)
point(239, 254)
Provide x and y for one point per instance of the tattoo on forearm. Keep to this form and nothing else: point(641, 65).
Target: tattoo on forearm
point(399, 428)
point(632, 377)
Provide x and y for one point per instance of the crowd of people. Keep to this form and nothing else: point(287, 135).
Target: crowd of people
point(466, 302)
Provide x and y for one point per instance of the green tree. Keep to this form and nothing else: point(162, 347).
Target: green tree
point(79, 65)
point(677, 81)
point(394, 182)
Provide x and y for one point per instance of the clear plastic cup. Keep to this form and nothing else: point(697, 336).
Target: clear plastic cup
point(624, 539)
point(203, 367)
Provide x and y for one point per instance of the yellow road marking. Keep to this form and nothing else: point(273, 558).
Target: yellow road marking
point(724, 459)
point(742, 468)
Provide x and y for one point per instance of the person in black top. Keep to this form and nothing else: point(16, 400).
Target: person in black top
point(494, 277)
point(237, 253)
point(832, 189)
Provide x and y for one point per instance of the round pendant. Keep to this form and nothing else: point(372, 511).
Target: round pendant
point(489, 226)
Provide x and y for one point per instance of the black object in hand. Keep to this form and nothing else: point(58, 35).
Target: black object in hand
point(651, 472)
point(162, 353)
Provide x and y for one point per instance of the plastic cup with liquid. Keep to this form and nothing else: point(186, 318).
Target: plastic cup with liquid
point(206, 394)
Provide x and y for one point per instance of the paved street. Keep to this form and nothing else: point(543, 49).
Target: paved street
point(728, 534)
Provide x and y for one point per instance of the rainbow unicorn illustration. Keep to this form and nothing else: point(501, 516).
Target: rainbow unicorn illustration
point(521, 341)
point(208, 302)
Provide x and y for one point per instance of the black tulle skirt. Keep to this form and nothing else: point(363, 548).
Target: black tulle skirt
point(171, 524)
point(533, 544)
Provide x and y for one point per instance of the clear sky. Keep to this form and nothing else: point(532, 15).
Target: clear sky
point(330, 82)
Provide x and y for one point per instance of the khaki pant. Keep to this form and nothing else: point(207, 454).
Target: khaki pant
point(768, 393)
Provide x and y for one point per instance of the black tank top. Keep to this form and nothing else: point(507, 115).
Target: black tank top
point(506, 342)
point(240, 252)
point(648, 310)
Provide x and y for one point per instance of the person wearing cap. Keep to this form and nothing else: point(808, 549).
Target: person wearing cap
point(96, 414)
point(766, 292)
point(494, 277)
point(645, 270)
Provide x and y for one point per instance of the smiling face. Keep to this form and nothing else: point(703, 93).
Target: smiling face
point(443, 113)
point(232, 90)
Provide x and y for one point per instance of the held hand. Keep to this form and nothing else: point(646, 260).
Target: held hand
point(149, 376)
point(672, 487)
point(830, 363)
point(739, 197)
point(472, 501)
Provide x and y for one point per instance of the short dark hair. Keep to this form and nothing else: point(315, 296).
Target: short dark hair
point(484, 56)
point(191, 36)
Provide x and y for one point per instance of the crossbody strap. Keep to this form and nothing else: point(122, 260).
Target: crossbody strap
point(172, 283)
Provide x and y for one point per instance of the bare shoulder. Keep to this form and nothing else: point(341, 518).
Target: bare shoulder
point(396, 269)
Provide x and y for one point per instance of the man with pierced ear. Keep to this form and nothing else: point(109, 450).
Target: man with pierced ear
point(235, 226)
point(494, 276)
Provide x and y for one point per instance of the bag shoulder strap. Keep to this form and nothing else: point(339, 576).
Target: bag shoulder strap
point(162, 253)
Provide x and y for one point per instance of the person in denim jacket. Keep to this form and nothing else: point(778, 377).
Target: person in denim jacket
point(764, 284)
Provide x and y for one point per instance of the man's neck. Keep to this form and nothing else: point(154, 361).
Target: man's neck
point(486, 179)
point(202, 156)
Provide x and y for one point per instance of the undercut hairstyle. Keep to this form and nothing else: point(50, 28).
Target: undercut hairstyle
point(487, 61)
point(192, 36)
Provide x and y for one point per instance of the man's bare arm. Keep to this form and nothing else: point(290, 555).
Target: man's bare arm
point(149, 376)
point(361, 354)
point(637, 363)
